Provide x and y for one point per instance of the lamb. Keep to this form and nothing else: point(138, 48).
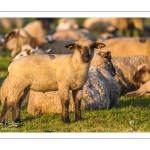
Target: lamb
point(125, 46)
point(100, 91)
point(125, 70)
point(141, 76)
point(50, 78)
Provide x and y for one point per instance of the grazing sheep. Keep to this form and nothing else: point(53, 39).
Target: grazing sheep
point(141, 76)
point(125, 70)
point(124, 25)
point(125, 46)
point(50, 78)
point(99, 92)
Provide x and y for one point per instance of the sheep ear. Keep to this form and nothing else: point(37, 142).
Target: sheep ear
point(29, 52)
point(10, 35)
point(70, 46)
point(99, 45)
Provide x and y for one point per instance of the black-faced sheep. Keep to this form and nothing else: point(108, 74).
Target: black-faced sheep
point(50, 78)
point(141, 76)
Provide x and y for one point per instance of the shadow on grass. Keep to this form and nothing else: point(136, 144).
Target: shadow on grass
point(142, 102)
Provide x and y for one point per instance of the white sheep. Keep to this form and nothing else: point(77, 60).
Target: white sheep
point(45, 74)
point(141, 76)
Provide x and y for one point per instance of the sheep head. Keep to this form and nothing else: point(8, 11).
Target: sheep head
point(85, 48)
point(142, 74)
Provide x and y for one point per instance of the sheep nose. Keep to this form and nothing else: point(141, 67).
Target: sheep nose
point(86, 58)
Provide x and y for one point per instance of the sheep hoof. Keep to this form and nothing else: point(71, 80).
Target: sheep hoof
point(78, 119)
point(66, 120)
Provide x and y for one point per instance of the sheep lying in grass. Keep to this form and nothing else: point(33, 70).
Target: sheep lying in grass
point(50, 78)
point(99, 92)
point(125, 46)
point(125, 70)
point(141, 76)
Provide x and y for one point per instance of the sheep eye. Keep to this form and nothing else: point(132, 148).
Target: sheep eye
point(141, 71)
point(78, 47)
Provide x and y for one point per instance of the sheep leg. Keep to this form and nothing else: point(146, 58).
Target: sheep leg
point(64, 97)
point(5, 111)
point(17, 107)
point(141, 91)
point(77, 95)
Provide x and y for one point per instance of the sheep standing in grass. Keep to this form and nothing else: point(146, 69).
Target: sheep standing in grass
point(141, 76)
point(99, 92)
point(50, 78)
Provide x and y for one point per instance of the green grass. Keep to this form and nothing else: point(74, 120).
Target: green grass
point(132, 115)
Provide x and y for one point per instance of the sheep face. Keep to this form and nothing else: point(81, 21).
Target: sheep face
point(85, 48)
point(108, 62)
point(142, 74)
point(24, 52)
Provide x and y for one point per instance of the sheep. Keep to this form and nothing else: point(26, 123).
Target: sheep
point(39, 27)
point(50, 78)
point(28, 50)
point(125, 70)
point(8, 23)
point(67, 23)
point(122, 24)
point(68, 27)
point(100, 91)
point(18, 37)
point(125, 46)
point(141, 76)
point(76, 34)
